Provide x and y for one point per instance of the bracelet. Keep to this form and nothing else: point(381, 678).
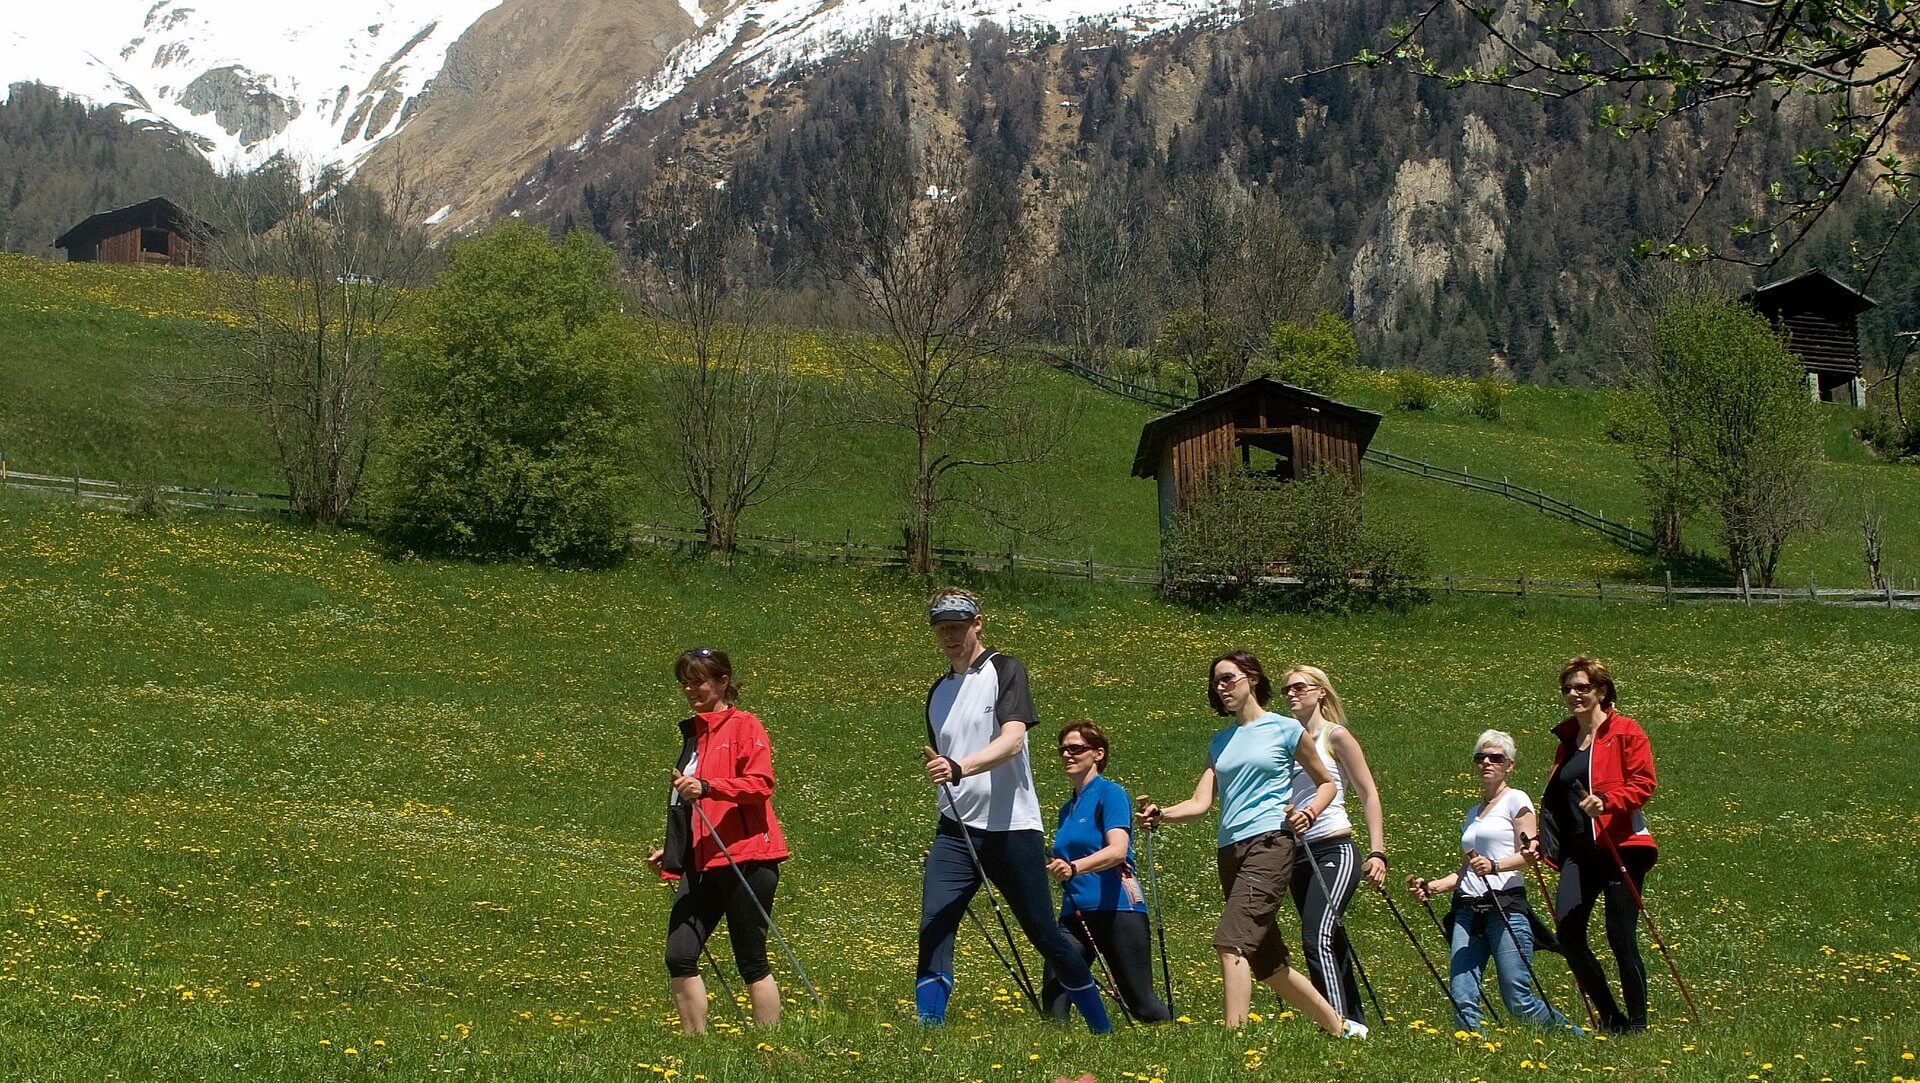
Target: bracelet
point(1072, 870)
point(705, 787)
point(1378, 854)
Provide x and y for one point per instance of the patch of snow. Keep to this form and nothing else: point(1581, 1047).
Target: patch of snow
point(323, 62)
point(438, 216)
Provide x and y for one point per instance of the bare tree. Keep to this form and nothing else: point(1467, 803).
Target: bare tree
point(1872, 518)
point(1102, 264)
point(1235, 267)
point(726, 396)
point(919, 246)
point(318, 275)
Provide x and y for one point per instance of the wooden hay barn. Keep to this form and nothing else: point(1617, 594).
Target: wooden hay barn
point(1819, 315)
point(1298, 428)
point(154, 232)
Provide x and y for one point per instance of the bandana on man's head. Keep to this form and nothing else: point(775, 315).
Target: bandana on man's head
point(952, 607)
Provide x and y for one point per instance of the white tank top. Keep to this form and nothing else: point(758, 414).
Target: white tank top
point(1334, 821)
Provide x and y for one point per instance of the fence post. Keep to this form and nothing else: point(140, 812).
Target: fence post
point(216, 494)
point(846, 547)
point(1813, 589)
point(1746, 591)
point(1889, 585)
point(1089, 563)
point(1011, 559)
point(76, 481)
point(1599, 590)
point(1523, 584)
point(1449, 580)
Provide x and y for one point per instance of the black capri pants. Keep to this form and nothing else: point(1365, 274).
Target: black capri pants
point(704, 898)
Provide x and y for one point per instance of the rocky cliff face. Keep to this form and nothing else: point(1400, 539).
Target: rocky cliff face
point(530, 78)
point(241, 103)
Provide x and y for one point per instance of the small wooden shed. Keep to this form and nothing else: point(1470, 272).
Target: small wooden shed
point(1819, 314)
point(154, 232)
point(1301, 430)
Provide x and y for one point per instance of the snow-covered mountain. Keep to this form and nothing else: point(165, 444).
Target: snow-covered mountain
point(765, 37)
point(326, 82)
point(462, 98)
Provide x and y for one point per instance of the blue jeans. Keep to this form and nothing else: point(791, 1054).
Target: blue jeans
point(1510, 944)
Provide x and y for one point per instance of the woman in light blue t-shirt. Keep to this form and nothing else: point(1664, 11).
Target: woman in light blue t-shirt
point(1252, 762)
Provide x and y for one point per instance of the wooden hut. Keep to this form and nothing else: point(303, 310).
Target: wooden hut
point(154, 232)
point(1295, 428)
point(1819, 316)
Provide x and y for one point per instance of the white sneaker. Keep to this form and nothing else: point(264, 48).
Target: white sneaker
point(1353, 1028)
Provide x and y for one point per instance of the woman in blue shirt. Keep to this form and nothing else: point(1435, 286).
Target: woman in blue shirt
point(1252, 764)
point(1102, 908)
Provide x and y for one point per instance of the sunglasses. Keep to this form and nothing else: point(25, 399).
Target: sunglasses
point(1575, 689)
point(1489, 757)
point(1228, 680)
point(1075, 751)
point(1299, 688)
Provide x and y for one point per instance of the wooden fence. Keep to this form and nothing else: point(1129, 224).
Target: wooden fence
point(1887, 594)
point(849, 551)
point(1631, 537)
point(846, 550)
point(217, 498)
point(1126, 389)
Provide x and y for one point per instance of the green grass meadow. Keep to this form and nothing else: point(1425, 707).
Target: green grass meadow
point(277, 808)
point(98, 369)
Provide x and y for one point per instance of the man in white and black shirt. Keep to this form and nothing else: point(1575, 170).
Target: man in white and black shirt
point(977, 719)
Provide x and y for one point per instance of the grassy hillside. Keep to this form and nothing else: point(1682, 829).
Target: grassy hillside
point(100, 361)
point(279, 809)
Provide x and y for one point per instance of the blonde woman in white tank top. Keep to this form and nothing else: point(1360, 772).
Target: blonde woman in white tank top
point(1328, 838)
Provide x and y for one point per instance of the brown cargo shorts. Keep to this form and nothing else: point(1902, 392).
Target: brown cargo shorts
point(1254, 874)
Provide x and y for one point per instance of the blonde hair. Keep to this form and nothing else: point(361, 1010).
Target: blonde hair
point(1334, 711)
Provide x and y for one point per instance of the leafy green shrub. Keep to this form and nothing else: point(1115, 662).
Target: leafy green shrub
point(1886, 436)
point(1317, 355)
point(502, 441)
point(1236, 542)
point(1414, 390)
point(1487, 397)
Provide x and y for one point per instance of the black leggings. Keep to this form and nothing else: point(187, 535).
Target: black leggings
point(1126, 947)
point(704, 898)
point(1323, 930)
point(1585, 877)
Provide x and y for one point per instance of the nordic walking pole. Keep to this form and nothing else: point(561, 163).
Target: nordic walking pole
point(1442, 930)
point(1113, 984)
point(764, 916)
point(1540, 878)
point(1501, 909)
point(1159, 927)
point(1021, 978)
point(725, 986)
point(1580, 792)
point(1445, 989)
point(1339, 922)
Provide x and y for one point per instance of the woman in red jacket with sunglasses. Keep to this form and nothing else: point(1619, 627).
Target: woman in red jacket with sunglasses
point(1590, 827)
point(725, 770)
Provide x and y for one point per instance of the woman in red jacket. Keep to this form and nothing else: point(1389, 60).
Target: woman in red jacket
point(725, 769)
point(1602, 778)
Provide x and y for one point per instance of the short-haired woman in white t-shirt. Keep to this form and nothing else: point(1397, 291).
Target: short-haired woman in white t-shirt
point(1491, 881)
